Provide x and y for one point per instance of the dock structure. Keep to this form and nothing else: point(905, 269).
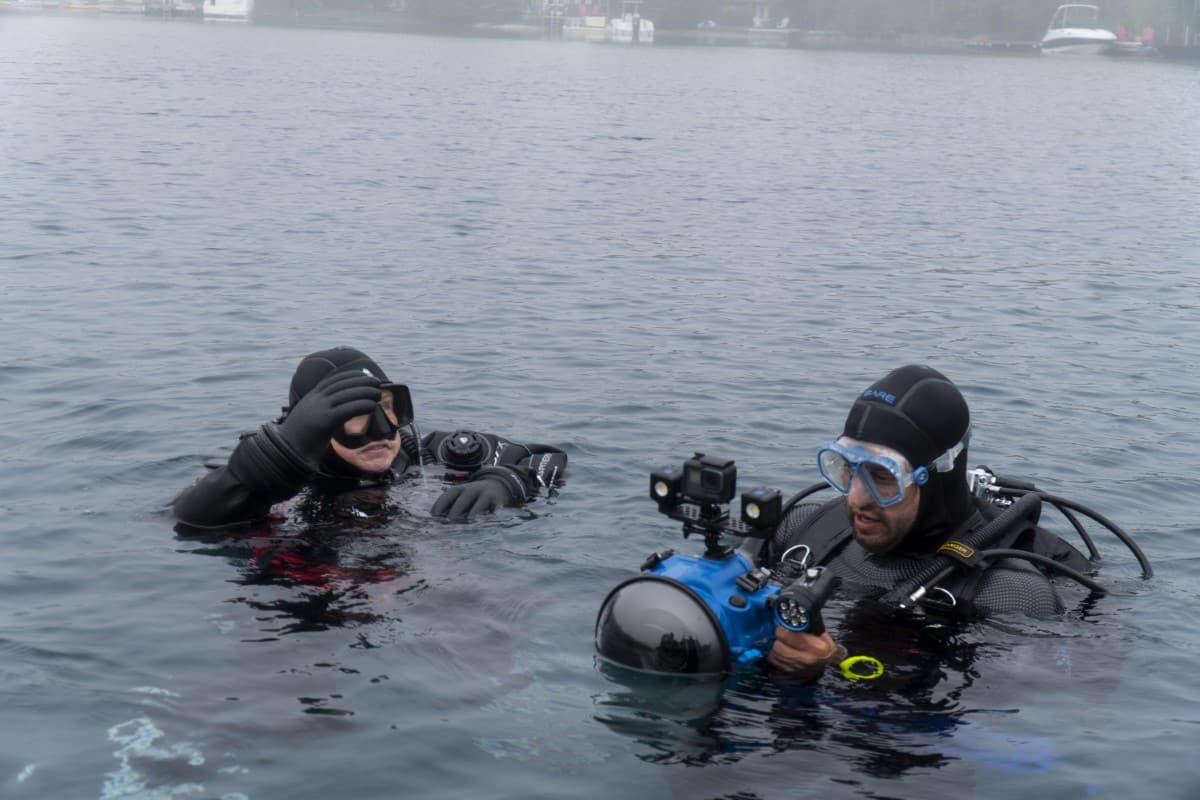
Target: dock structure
point(175, 8)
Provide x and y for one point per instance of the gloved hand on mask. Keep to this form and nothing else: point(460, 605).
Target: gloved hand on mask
point(340, 396)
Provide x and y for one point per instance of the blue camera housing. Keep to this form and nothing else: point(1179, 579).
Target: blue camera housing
point(741, 613)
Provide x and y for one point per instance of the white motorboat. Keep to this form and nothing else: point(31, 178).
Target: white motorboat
point(1075, 28)
point(628, 28)
point(631, 27)
point(235, 10)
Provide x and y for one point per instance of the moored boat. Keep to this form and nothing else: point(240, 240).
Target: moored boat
point(1075, 29)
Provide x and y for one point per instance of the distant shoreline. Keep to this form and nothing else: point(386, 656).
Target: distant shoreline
point(790, 38)
point(766, 37)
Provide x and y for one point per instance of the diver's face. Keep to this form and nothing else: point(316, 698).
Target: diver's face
point(376, 456)
point(876, 528)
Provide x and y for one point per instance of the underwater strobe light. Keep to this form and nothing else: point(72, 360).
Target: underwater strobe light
point(798, 607)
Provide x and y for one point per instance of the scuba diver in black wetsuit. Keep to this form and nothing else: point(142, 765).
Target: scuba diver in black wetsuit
point(914, 532)
point(901, 466)
point(347, 429)
point(915, 549)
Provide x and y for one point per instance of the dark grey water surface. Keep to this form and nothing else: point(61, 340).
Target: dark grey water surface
point(625, 252)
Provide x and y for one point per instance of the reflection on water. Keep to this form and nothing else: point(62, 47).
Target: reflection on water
point(915, 718)
point(759, 710)
point(340, 560)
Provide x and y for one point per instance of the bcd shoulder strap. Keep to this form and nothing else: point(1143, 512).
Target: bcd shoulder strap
point(824, 531)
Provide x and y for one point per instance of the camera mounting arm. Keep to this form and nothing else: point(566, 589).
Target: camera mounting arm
point(698, 495)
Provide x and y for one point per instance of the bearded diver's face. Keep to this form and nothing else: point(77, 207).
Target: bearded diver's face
point(876, 528)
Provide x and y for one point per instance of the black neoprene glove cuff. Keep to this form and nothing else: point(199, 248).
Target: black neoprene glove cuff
point(268, 468)
point(518, 489)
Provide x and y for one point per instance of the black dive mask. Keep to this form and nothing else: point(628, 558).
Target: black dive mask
point(393, 411)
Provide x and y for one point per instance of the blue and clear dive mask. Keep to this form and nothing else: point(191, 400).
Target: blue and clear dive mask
point(393, 411)
point(884, 472)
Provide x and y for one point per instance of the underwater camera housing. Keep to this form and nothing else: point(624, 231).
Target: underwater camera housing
point(702, 615)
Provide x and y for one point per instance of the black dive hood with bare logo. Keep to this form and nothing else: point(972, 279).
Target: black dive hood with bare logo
point(918, 412)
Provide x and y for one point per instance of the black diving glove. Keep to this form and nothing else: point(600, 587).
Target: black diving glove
point(489, 489)
point(308, 427)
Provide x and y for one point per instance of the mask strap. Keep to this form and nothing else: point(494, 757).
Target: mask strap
point(945, 462)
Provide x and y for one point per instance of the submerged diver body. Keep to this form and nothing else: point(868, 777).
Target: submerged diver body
point(348, 431)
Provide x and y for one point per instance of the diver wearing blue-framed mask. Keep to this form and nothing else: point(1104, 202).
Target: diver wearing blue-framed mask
point(909, 539)
point(900, 468)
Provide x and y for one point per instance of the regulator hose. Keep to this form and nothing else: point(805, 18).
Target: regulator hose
point(1075, 575)
point(1065, 507)
point(800, 495)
